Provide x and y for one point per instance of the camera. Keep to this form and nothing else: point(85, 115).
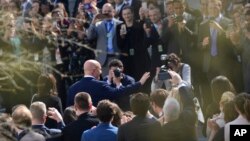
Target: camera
point(163, 74)
point(117, 72)
point(148, 23)
point(179, 18)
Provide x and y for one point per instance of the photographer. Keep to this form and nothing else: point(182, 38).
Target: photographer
point(116, 70)
point(116, 78)
point(167, 74)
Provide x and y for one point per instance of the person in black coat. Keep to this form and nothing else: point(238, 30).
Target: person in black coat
point(39, 115)
point(83, 105)
point(141, 127)
point(46, 94)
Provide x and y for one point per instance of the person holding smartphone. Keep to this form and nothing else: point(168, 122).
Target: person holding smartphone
point(103, 29)
point(130, 41)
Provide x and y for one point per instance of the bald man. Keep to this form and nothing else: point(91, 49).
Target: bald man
point(97, 89)
point(103, 28)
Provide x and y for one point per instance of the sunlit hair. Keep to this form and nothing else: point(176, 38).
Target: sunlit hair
point(22, 117)
point(171, 109)
point(159, 96)
point(226, 97)
point(38, 110)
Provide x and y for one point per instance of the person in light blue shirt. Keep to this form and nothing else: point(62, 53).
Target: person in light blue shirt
point(105, 131)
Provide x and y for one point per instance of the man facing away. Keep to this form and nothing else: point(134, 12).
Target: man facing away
point(99, 90)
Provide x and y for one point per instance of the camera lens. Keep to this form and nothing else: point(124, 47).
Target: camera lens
point(117, 72)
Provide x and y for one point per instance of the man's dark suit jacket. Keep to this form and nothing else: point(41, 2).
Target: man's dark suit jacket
point(140, 129)
point(74, 130)
point(98, 90)
point(225, 54)
point(49, 134)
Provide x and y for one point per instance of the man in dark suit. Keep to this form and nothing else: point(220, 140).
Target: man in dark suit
point(83, 106)
point(141, 127)
point(39, 115)
point(98, 89)
point(217, 50)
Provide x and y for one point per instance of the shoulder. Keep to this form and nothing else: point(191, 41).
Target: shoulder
point(89, 133)
point(129, 78)
point(33, 136)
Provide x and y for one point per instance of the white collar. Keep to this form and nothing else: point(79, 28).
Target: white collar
point(89, 76)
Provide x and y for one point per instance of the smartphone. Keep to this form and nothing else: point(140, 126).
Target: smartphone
point(87, 6)
point(148, 23)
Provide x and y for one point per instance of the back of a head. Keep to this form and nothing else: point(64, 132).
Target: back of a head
point(44, 84)
point(118, 115)
point(69, 115)
point(38, 110)
point(219, 85)
point(89, 66)
point(158, 97)
point(242, 103)
point(173, 58)
point(83, 101)
point(139, 104)
point(22, 117)
point(226, 97)
point(105, 111)
point(171, 109)
point(229, 111)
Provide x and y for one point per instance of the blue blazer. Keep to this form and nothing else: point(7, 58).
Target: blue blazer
point(103, 132)
point(99, 90)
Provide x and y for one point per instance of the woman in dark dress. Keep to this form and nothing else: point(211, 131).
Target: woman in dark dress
point(47, 93)
point(130, 35)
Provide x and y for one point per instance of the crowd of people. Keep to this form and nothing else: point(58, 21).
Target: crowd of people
point(93, 70)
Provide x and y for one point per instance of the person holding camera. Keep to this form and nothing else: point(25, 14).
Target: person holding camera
point(116, 72)
point(168, 73)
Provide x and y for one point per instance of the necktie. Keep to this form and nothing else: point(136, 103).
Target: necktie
point(213, 42)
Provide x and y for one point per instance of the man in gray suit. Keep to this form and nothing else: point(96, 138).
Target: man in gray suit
point(103, 29)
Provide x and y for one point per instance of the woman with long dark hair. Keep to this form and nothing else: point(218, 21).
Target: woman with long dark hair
point(47, 93)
